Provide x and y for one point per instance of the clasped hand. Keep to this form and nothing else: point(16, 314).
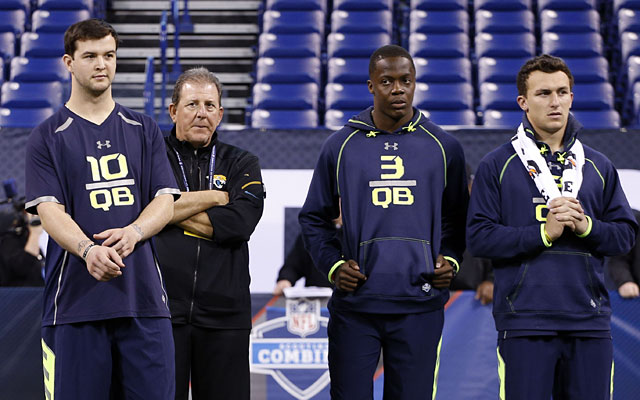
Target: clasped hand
point(565, 212)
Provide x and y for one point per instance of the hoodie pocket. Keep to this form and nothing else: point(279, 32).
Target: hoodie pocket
point(556, 282)
point(395, 266)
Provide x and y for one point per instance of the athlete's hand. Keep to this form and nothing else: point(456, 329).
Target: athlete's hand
point(281, 285)
point(103, 263)
point(629, 290)
point(122, 240)
point(347, 276)
point(443, 273)
point(568, 210)
point(484, 292)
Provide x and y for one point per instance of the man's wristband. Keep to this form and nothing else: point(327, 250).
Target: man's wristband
point(86, 251)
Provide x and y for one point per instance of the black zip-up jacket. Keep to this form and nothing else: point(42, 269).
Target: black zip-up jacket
point(208, 280)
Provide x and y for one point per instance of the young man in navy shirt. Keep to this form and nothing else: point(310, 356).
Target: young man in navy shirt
point(399, 181)
point(98, 177)
point(547, 210)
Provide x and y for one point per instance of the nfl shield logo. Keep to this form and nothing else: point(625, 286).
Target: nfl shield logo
point(303, 316)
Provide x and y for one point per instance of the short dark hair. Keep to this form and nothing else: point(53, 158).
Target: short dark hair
point(199, 75)
point(545, 63)
point(89, 29)
point(387, 51)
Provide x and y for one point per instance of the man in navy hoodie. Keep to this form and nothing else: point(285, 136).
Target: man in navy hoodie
point(547, 210)
point(400, 183)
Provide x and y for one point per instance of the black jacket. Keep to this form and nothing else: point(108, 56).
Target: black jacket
point(298, 264)
point(626, 268)
point(17, 267)
point(208, 280)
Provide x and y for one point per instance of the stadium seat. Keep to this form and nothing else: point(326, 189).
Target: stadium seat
point(603, 119)
point(439, 5)
point(628, 20)
point(572, 44)
point(439, 21)
point(7, 45)
point(42, 45)
point(502, 119)
point(448, 117)
point(296, 5)
point(23, 117)
point(12, 21)
point(65, 4)
point(289, 45)
point(633, 71)
point(593, 96)
point(510, 45)
point(38, 70)
point(335, 119)
point(631, 4)
point(23, 5)
point(499, 96)
point(351, 96)
point(570, 21)
point(591, 69)
point(566, 4)
point(284, 119)
point(31, 95)
point(287, 22)
point(292, 96)
point(352, 21)
point(439, 45)
point(355, 44)
point(56, 21)
point(288, 70)
point(352, 5)
point(499, 69)
point(502, 5)
point(443, 96)
point(504, 21)
point(629, 44)
point(443, 69)
point(348, 70)
point(636, 104)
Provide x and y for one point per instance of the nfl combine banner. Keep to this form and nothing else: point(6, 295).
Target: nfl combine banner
point(291, 346)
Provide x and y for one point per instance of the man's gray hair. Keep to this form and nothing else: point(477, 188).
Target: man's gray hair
point(198, 75)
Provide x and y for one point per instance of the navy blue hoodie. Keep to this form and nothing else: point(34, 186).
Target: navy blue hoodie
point(403, 196)
point(556, 286)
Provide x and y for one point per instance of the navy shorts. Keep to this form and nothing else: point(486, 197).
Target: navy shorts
point(411, 352)
point(567, 367)
point(122, 358)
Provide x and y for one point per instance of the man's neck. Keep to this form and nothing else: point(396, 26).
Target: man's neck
point(387, 124)
point(95, 109)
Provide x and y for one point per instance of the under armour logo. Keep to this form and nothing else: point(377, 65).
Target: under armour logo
point(107, 144)
point(426, 287)
point(388, 146)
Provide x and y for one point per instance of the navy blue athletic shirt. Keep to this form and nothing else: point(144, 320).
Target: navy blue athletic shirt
point(104, 175)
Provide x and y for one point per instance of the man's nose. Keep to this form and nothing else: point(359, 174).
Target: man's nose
point(397, 88)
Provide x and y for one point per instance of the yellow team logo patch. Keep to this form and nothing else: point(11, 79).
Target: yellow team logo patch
point(219, 181)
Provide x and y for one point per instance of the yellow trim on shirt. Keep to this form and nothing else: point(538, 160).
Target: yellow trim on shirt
point(454, 263)
point(251, 183)
point(588, 231)
point(196, 235)
point(333, 268)
point(545, 236)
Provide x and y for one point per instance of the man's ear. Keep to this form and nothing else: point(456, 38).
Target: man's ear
point(370, 86)
point(172, 112)
point(522, 102)
point(67, 60)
